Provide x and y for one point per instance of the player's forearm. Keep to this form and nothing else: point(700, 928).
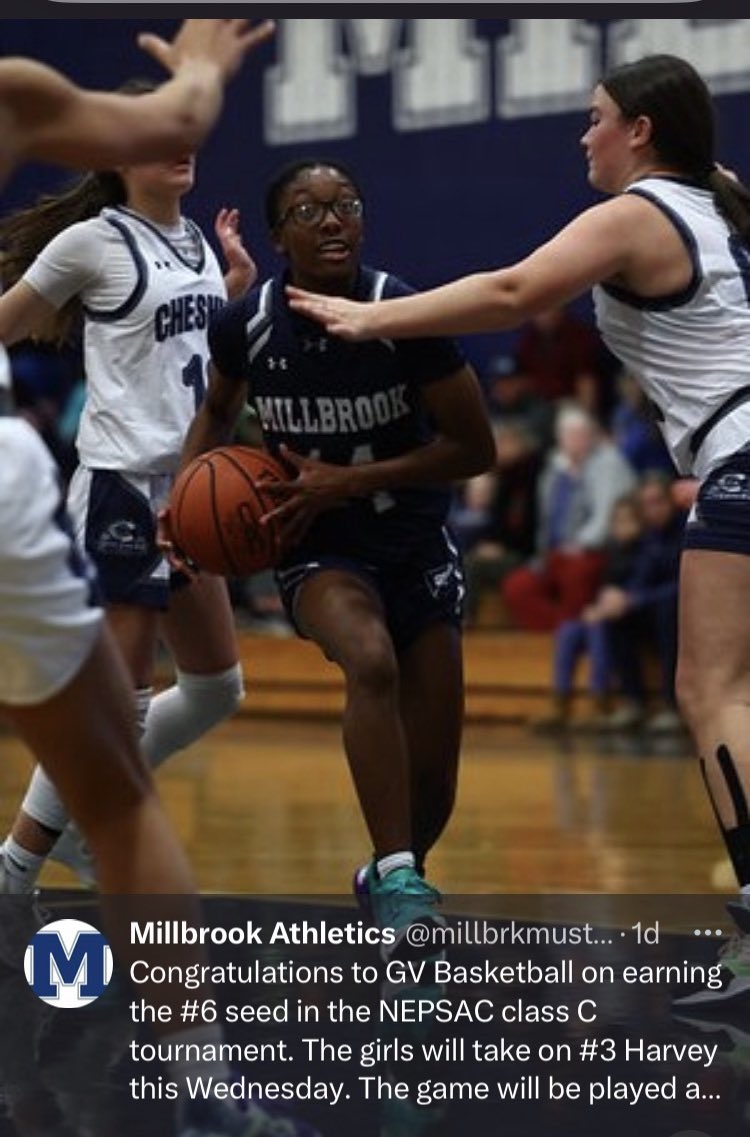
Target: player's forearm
point(239, 281)
point(439, 462)
point(172, 120)
point(190, 103)
point(482, 302)
point(209, 429)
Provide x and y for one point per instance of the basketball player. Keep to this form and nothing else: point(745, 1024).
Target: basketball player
point(116, 250)
point(669, 259)
point(64, 686)
point(373, 577)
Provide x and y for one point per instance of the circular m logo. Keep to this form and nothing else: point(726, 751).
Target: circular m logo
point(68, 964)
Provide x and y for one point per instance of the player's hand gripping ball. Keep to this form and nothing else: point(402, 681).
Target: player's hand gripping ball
point(216, 509)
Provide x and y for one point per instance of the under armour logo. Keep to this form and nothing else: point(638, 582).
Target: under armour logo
point(319, 344)
point(282, 363)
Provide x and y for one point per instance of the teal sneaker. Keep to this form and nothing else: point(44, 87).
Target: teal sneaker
point(733, 982)
point(403, 901)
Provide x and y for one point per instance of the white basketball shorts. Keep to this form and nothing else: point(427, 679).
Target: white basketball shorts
point(49, 619)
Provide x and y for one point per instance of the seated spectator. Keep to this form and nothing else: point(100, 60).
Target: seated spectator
point(469, 511)
point(579, 485)
point(643, 613)
point(561, 357)
point(512, 401)
point(635, 432)
point(587, 635)
point(507, 496)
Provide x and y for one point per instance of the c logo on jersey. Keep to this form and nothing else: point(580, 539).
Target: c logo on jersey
point(731, 485)
point(68, 964)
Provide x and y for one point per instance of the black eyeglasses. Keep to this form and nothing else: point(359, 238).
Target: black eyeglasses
point(311, 213)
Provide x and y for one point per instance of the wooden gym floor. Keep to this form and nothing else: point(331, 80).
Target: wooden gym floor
point(264, 804)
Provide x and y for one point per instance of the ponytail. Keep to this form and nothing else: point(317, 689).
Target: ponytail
point(732, 199)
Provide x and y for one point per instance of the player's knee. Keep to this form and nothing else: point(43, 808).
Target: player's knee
point(687, 693)
point(700, 694)
point(373, 666)
point(213, 698)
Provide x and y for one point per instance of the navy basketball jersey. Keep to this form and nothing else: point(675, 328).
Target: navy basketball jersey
point(343, 403)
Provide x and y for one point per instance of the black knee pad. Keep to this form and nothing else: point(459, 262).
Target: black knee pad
point(737, 838)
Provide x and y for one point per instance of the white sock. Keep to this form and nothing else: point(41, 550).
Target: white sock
point(20, 868)
point(42, 802)
point(186, 711)
point(405, 860)
point(143, 697)
point(201, 1036)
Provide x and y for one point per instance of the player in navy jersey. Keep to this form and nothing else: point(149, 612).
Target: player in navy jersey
point(669, 257)
point(375, 433)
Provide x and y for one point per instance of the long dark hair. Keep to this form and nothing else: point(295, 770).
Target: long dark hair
point(671, 93)
point(25, 233)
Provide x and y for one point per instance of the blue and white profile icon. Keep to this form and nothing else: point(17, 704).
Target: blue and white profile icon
point(68, 964)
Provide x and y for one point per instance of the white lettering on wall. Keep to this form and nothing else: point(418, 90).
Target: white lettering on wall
point(546, 65)
point(443, 77)
point(719, 49)
point(441, 69)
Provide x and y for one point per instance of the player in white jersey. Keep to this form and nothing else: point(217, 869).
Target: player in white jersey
point(146, 282)
point(62, 681)
point(669, 255)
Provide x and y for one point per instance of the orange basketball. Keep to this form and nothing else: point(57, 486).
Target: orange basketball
point(216, 507)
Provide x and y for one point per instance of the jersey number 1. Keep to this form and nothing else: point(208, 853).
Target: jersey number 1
point(194, 375)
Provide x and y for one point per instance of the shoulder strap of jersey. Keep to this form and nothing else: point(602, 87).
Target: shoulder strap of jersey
point(141, 271)
point(260, 324)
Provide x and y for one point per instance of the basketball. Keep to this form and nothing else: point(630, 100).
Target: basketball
point(216, 506)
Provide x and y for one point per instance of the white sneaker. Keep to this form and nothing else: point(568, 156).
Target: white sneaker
point(71, 850)
point(21, 917)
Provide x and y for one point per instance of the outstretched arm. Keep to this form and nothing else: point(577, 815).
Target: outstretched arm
point(594, 247)
point(46, 116)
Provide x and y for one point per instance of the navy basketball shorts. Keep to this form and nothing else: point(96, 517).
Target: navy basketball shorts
point(114, 514)
point(720, 518)
point(426, 589)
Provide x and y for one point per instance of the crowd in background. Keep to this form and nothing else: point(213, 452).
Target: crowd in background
point(578, 529)
point(576, 532)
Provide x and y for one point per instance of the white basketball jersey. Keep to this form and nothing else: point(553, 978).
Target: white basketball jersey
point(146, 360)
point(690, 351)
point(4, 370)
point(6, 394)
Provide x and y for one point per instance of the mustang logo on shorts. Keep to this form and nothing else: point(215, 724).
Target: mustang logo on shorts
point(440, 580)
point(123, 538)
